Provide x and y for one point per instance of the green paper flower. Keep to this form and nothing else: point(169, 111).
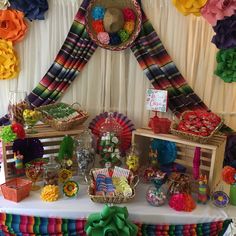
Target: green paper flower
point(7, 134)
point(226, 67)
point(111, 221)
point(124, 36)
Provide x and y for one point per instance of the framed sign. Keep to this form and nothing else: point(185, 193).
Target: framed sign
point(156, 100)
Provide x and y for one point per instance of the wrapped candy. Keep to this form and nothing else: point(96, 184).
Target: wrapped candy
point(155, 196)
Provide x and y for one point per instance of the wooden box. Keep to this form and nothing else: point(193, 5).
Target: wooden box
point(49, 137)
point(212, 153)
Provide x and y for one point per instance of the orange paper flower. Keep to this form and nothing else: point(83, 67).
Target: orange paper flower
point(8, 60)
point(12, 25)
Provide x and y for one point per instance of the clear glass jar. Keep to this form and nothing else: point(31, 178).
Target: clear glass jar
point(18, 102)
point(51, 171)
point(109, 142)
point(85, 154)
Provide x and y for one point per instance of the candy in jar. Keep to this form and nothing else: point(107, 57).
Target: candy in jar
point(51, 171)
point(155, 196)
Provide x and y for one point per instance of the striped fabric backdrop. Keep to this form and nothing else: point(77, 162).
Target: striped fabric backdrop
point(147, 48)
point(16, 225)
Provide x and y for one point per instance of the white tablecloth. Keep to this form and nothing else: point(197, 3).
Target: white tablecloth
point(139, 209)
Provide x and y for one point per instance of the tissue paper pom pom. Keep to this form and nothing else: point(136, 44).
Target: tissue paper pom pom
point(182, 202)
point(216, 10)
point(98, 26)
point(124, 36)
point(18, 129)
point(103, 37)
point(114, 39)
point(50, 193)
point(229, 174)
point(98, 13)
point(129, 14)
point(129, 26)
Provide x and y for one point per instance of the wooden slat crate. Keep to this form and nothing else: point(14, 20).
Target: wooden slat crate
point(50, 139)
point(212, 153)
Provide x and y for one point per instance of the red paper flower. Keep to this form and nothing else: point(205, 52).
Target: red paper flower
point(18, 130)
point(98, 26)
point(129, 14)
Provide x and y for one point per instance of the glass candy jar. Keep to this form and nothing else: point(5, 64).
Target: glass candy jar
point(132, 159)
point(109, 142)
point(51, 171)
point(85, 154)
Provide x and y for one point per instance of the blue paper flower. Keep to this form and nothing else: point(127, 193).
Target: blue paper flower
point(114, 39)
point(98, 13)
point(33, 9)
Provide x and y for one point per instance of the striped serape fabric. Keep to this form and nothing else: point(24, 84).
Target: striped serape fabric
point(18, 225)
point(147, 48)
point(162, 72)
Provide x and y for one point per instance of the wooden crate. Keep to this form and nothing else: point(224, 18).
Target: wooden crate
point(50, 139)
point(212, 153)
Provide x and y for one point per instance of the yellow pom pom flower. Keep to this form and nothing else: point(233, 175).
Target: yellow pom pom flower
point(187, 7)
point(50, 193)
point(8, 60)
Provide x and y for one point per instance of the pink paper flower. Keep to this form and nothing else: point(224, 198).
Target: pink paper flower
point(218, 9)
point(103, 37)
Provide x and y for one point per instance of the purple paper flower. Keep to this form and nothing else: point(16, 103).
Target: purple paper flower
point(225, 30)
point(33, 9)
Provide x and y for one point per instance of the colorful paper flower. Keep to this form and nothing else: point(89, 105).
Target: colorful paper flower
point(225, 30)
point(215, 10)
point(50, 193)
point(124, 36)
point(70, 188)
point(182, 202)
point(7, 134)
point(98, 26)
point(33, 9)
point(8, 60)
point(4, 4)
point(13, 26)
point(18, 129)
point(229, 175)
point(64, 175)
point(129, 14)
point(98, 13)
point(226, 65)
point(129, 26)
point(220, 199)
point(187, 7)
point(103, 37)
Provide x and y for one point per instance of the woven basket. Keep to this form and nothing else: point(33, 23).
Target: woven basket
point(112, 199)
point(133, 4)
point(16, 189)
point(194, 137)
point(62, 125)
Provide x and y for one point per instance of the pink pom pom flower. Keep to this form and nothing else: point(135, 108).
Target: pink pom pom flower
point(103, 37)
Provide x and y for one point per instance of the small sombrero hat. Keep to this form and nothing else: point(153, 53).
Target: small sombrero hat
point(113, 24)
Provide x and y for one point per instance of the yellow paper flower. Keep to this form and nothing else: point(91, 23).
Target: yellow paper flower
point(64, 175)
point(187, 7)
point(8, 60)
point(12, 25)
point(70, 188)
point(50, 193)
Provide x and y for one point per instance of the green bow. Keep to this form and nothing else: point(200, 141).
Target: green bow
point(112, 221)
